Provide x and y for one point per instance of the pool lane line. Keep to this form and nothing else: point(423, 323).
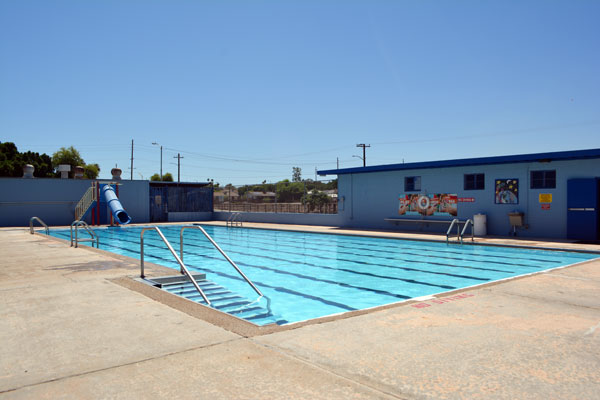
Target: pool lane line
point(394, 249)
point(353, 239)
point(412, 281)
point(233, 277)
point(572, 252)
point(302, 276)
point(361, 263)
point(229, 241)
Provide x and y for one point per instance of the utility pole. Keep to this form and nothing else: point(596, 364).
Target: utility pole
point(338, 162)
point(178, 157)
point(156, 144)
point(315, 174)
point(131, 159)
point(364, 157)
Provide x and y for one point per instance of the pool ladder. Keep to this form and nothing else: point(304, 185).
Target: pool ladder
point(41, 222)
point(460, 234)
point(93, 236)
point(234, 219)
point(183, 268)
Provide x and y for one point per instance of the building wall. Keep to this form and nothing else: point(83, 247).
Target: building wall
point(284, 218)
point(366, 199)
point(54, 200)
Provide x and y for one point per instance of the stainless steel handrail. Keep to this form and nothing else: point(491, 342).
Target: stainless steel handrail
point(93, 236)
point(462, 234)
point(220, 250)
point(41, 222)
point(454, 221)
point(183, 268)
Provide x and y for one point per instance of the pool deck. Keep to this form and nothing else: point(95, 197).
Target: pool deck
point(70, 330)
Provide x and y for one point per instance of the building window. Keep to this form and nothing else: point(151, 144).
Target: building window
point(543, 179)
point(474, 181)
point(412, 184)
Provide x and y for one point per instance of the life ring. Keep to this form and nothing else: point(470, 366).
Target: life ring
point(423, 202)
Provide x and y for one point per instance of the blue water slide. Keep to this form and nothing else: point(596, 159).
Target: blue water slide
point(115, 205)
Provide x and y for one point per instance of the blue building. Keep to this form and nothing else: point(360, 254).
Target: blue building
point(555, 195)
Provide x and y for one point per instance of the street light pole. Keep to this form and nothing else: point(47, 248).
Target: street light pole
point(156, 144)
point(364, 157)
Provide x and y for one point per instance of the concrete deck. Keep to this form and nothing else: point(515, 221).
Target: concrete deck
point(70, 331)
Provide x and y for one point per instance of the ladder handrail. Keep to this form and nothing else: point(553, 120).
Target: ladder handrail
point(454, 221)
point(94, 236)
point(183, 269)
point(41, 222)
point(462, 234)
point(220, 250)
point(86, 201)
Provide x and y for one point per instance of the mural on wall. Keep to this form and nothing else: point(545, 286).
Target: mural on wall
point(428, 204)
point(507, 191)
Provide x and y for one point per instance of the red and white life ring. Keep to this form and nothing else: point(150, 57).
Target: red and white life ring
point(423, 202)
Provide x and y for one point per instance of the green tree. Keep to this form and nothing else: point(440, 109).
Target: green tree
point(166, 177)
point(315, 200)
point(296, 174)
point(91, 171)
point(288, 192)
point(68, 155)
point(12, 162)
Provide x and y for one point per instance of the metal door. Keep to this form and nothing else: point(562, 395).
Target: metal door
point(158, 204)
point(582, 209)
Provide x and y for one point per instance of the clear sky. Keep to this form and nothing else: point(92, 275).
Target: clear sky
point(245, 90)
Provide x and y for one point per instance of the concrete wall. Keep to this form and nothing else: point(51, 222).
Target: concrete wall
point(189, 216)
point(284, 218)
point(366, 199)
point(54, 200)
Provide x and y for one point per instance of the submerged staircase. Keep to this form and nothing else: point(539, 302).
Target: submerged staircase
point(197, 288)
point(221, 299)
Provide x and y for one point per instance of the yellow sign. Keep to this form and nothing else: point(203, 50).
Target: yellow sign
point(545, 197)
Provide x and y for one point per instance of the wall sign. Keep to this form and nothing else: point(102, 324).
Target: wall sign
point(507, 191)
point(466, 199)
point(545, 197)
point(546, 206)
point(428, 204)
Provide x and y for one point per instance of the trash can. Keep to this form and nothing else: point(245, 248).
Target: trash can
point(480, 224)
point(515, 218)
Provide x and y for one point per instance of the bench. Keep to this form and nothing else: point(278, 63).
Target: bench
point(450, 222)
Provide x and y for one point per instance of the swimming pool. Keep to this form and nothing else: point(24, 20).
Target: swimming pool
point(310, 275)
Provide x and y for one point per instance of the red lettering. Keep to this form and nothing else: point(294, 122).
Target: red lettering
point(421, 305)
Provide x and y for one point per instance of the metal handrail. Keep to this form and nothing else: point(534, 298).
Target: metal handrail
point(220, 250)
point(183, 268)
point(232, 220)
point(454, 221)
point(462, 234)
point(93, 236)
point(86, 201)
point(41, 222)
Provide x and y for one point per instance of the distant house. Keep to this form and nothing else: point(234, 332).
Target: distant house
point(332, 194)
point(260, 196)
point(222, 195)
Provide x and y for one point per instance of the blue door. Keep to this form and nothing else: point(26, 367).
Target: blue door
point(582, 209)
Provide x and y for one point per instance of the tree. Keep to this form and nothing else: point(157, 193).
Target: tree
point(296, 174)
point(91, 171)
point(166, 177)
point(289, 192)
point(315, 200)
point(69, 156)
point(12, 162)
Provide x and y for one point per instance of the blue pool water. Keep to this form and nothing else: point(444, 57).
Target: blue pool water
point(309, 275)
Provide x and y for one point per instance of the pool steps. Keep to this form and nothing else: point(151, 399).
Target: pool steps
point(221, 299)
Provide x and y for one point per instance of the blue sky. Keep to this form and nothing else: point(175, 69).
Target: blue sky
point(245, 90)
